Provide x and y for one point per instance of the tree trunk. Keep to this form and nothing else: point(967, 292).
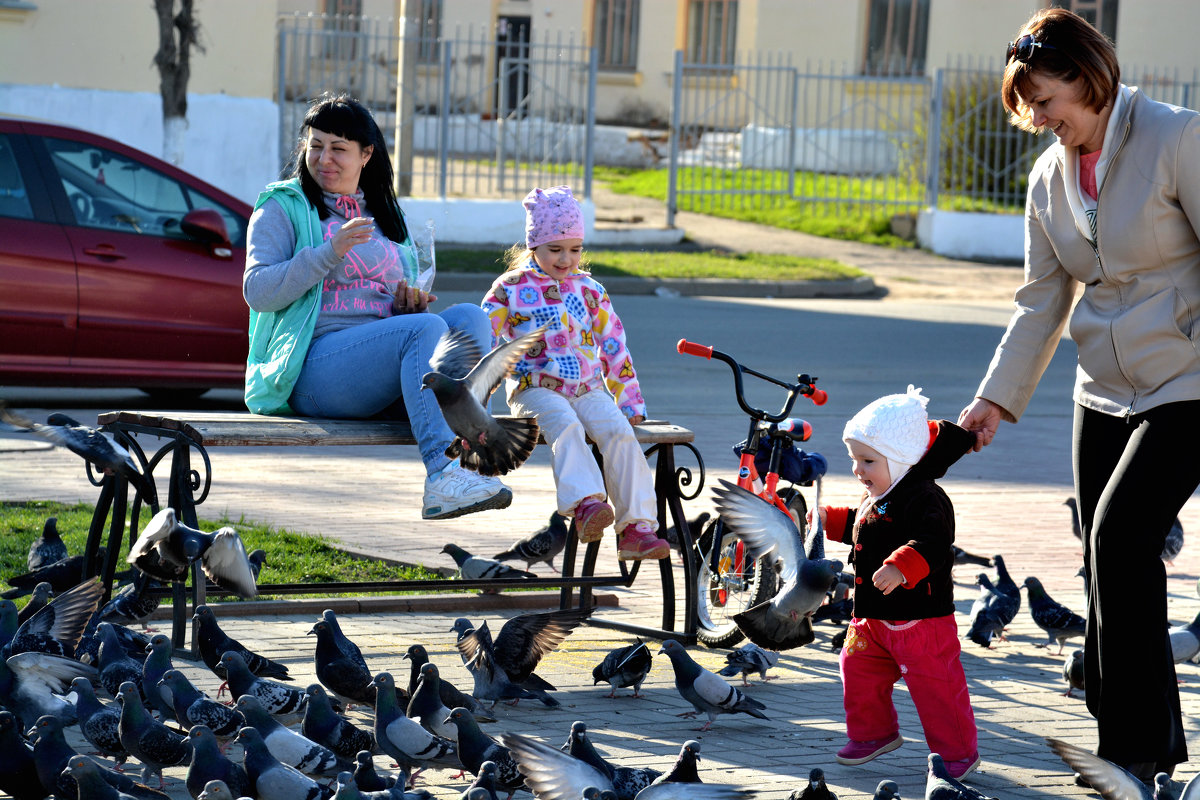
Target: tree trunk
point(174, 70)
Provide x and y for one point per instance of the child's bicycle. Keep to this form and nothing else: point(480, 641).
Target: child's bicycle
point(727, 583)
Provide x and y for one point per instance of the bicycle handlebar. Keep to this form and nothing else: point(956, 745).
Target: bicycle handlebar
point(805, 385)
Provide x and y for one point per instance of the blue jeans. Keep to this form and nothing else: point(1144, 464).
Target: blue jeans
point(361, 371)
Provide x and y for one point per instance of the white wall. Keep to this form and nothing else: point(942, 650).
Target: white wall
point(972, 237)
point(482, 222)
point(232, 142)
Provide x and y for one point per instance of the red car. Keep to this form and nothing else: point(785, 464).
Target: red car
point(116, 268)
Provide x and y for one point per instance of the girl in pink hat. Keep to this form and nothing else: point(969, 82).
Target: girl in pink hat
point(580, 383)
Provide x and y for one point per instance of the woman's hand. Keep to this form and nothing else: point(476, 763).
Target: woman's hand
point(355, 232)
point(411, 300)
point(981, 418)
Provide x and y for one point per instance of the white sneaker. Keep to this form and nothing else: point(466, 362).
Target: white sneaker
point(456, 491)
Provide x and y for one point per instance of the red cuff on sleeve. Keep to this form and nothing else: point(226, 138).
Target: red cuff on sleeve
point(911, 563)
point(835, 522)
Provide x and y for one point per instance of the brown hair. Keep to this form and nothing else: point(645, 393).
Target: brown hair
point(1074, 50)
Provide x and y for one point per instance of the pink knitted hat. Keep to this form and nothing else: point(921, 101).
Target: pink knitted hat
point(550, 215)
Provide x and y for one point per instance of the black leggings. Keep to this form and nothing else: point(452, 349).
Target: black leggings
point(1132, 475)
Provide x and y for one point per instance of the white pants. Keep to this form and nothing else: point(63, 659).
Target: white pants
point(566, 423)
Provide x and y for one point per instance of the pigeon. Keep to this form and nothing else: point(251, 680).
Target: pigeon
point(51, 752)
point(1072, 673)
point(147, 739)
point(166, 550)
point(695, 526)
point(156, 665)
point(986, 619)
point(366, 777)
point(215, 790)
point(624, 666)
point(209, 764)
point(89, 781)
point(213, 643)
point(325, 726)
point(707, 692)
point(91, 444)
point(939, 785)
point(257, 559)
point(749, 658)
point(685, 768)
point(133, 603)
point(625, 781)
point(963, 557)
point(8, 622)
point(341, 673)
point(426, 706)
point(1076, 529)
point(887, 790)
point(1173, 543)
point(47, 548)
point(484, 443)
point(404, 739)
point(39, 598)
point(97, 722)
point(451, 696)
point(18, 772)
point(475, 568)
point(115, 666)
point(1185, 641)
point(1058, 621)
point(276, 697)
point(485, 783)
point(32, 686)
point(290, 747)
point(347, 789)
point(1004, 582)
point(541, 546)
point(1006, 604)
point(57, 627)
point(192, 707)
point(815, 789)
point(522, 642)
point(61, 575)
point(784, 621)
point(269, 778)
point(476, 747)
point(88, 649)
point(1109, 780)
point(554, 775)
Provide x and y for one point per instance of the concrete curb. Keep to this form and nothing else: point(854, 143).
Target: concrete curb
point(692, 287)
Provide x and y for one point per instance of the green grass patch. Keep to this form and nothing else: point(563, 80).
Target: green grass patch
point(292, 557)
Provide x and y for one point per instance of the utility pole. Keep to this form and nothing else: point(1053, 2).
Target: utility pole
point(409, 21)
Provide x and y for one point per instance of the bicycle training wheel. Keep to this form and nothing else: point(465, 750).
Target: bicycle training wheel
point(723, 589)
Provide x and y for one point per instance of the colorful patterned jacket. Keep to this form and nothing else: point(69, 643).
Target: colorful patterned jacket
point(584, 346)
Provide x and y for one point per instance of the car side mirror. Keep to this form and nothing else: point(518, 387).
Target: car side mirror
point(207, 226)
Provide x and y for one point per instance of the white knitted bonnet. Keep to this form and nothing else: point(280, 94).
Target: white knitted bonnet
point(896, 426)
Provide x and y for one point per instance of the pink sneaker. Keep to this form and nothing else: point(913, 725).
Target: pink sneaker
point(638, 542)
point(962, 767)
point(592, 516)
point(862, 752)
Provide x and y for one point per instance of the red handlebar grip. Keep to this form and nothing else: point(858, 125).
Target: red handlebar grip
point(692, 349)
point(819, 397)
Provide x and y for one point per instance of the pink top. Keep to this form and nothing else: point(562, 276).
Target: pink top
point(1087, 172)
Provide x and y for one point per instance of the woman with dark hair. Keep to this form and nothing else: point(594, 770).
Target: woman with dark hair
point(338, 327)
point(1114, 206)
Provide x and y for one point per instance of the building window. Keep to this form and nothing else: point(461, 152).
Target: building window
point(711, 31)
point(1101, 13)
point(615, 33)
point(897, 33)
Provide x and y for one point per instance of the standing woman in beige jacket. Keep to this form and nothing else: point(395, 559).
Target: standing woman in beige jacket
point(1114, 204)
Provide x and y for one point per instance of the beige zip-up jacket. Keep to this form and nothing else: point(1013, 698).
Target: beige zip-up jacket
point(1137, 323)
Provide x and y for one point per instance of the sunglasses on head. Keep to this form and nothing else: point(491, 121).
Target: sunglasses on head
point(1024, 48)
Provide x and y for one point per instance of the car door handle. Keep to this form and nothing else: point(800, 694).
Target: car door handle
point(104, 251)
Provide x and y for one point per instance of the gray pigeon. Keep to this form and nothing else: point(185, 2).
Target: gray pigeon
point(276, 697)
point(541, 546)
point(215, 790)
point(475, 747)
point(987, 613)
point(1072, 673)
point(554, 775)
point(39, 598)
point(708, 693)
point(166, 549)
point(1111, 781)
point(624, 666)
point(192, 707)
point(939, 785)
point(887, 790)
point(963, 557)
point(1058, 621)
point(115, 665)
point(32, 686)
point(476, 568)
point(57, 627)
point(269, 778)
point(133, 603)
point(785, 620)
point(147, 739)
point(404, 739)
point(815, 789)
point(325, 726)
point(47, 548)
point(484, 785)
point(626, 781)
point(686, 767)
point(90, 782)
point(749, 658)
point(1173, 543)
point(486, 444)
point(337, 670)
point(208, 763)
point(1185, 641)
point(97, 722)
point(452, 698)
point(365, 776)
point(288, 746)
point(213, 643)
point(426, 706)
point(156, 665)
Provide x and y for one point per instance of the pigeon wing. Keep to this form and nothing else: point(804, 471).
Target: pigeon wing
point(493, 368)
point(550, 773)
point(763, 527)
point(1110, 780)
point(226, 564)
point(524, 640)
point(456, 353)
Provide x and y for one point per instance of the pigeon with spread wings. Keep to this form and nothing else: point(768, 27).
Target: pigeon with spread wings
point(166, 549)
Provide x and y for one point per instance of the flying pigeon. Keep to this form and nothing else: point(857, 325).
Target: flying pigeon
point(1058, 621)
point(325, 726)
point(147, 739)
point(749, 658)
point(626, 781)
point(1185, 641)
point(1109, 780)
point(474, 568)
point(365, 776)
point(192, 707)
point(486, 444)
point(555, 775)
point(276, 697)
point(685, 769)
point(210, 764)
point(939, 785)
point(289, 746)
point(166, 550)
point(426, 706)
point(624, 666)
point(18, 772)
point(476, 747)
point(815, 789)
point(47, 548)
point(213, 643)
point(98, 722)
point(341, 673)
point(784, 621)
point(522, 642)
point(269, 778)
point(707, 692)
point(451, 697)
point(543, 545)
point(91, 444)
point(1072, 673)
point(404, 739)
point(57, 627)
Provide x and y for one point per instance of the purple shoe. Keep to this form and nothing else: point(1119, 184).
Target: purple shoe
point(862, 752)
point(962, 767)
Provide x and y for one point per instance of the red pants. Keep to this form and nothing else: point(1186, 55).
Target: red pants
point(925, 653)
